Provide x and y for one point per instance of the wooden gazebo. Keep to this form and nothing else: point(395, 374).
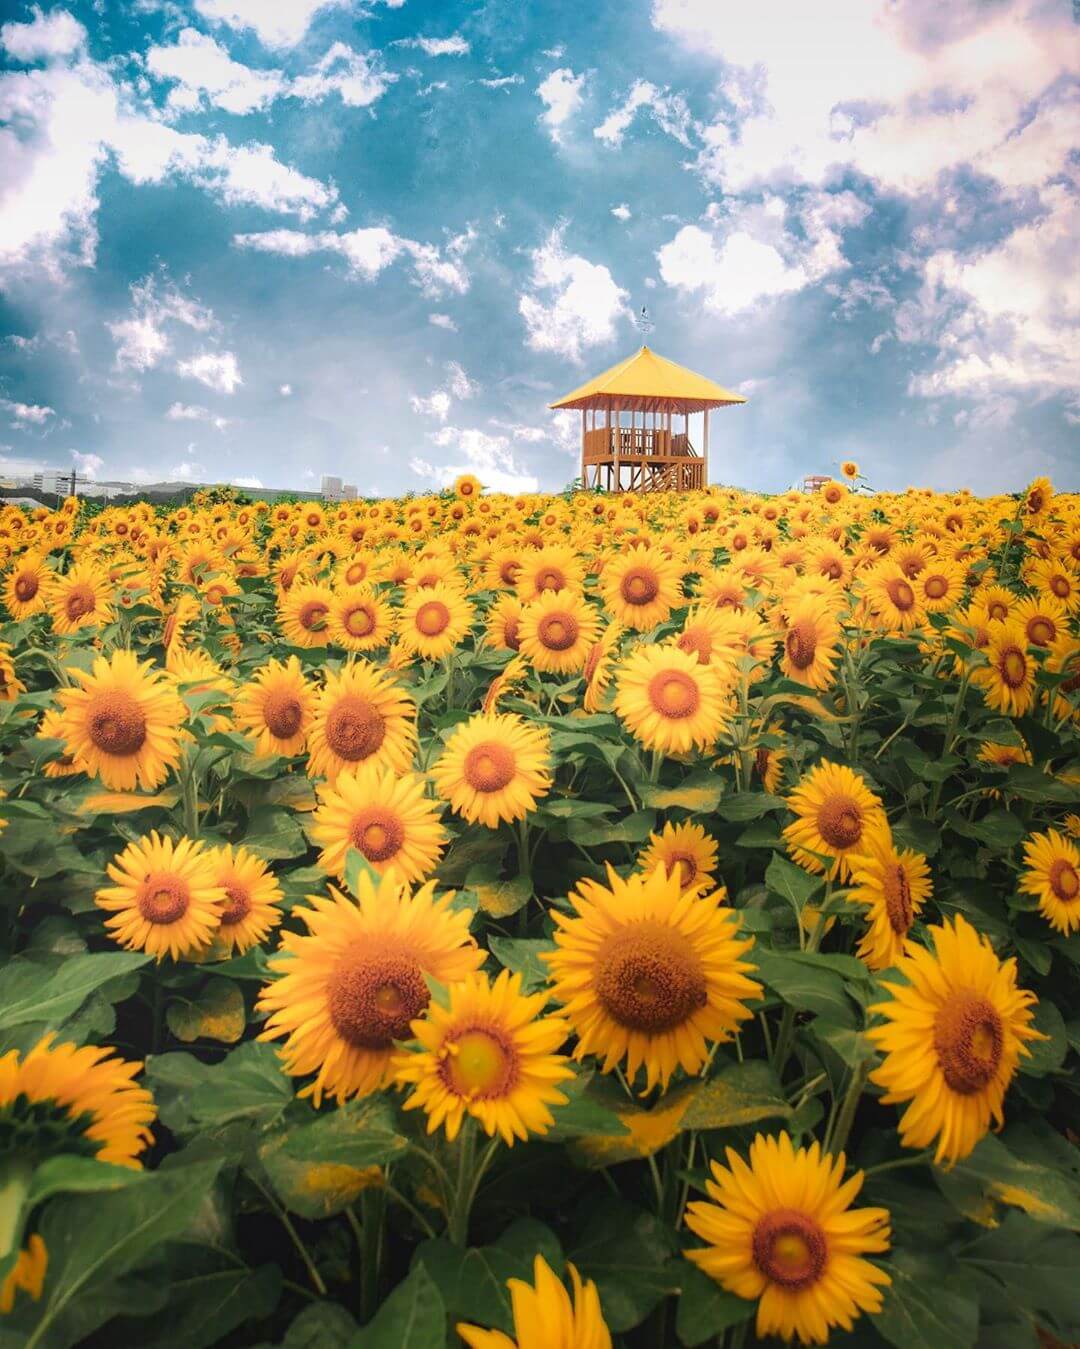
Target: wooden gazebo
point(624, 452)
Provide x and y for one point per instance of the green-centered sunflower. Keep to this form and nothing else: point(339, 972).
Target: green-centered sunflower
point(955, 1031)
point(650, 973)
point(355, 981)
point(781, 1231)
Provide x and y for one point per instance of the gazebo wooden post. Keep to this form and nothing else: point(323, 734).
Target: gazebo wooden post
point(705, 449)
point(618, 451)
point(584, 426)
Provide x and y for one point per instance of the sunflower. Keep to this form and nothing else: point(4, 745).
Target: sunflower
point(557, 631)
point(781, 1230)
point(81, 598)
point(1043, 620)
point(356, 570)
point(1063, 658)
point(359, 620)
point(252, 897)
point(64, 765)
point(361, 714)
point(956, 1030)
point(1037, 497)
point(938, 585)
point(10, 684)
point(640, 587)
point(712, 634)
point(354, 982)
point(123, 723)
point(811, 642)
point(892, 886)
point(27, 1275)
point(835, 810)
point(494, 767)
point(670, 701)
point(1056, 579)
point(850, 469)
point(685, 849)
point(599, 667)
point(650, 973)
point(61, 1099)
point(303, 614)
point(893, 599)
point(433, 620)
point(26, 586)
point(1052, 875)
point(545, 1317)
point(553, 568)
point(488, 1053)
point(1007, 679)
point(502, 626)
point(383, 815)
point(998, 602)
point(466, 487)
point(166, 899)
point(275, 708)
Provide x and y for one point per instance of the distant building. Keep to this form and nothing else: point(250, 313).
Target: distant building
point(348, 492)
point(330, 488)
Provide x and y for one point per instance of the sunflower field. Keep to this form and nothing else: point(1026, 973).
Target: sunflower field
point(559, 922)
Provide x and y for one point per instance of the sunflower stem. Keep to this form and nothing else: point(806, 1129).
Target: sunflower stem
point(372, 1211)
point(950, 736)
point(846, 1115)
point(917, 1159)
point(189, 787)
point(458, 1225)
point(15, 1180)
point(654, 767)
point(295, 1237)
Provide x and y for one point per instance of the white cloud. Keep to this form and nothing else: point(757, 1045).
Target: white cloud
point(733, 276)
point(88, 464)
point(370, 251)
point(187, 412)
point(502, 81)
point(572, 304)
point(276, 23)
point(218, 370)
point(490, 457)
point(246, 482)
point(359, 78)
point(561, 94)
point(45, 37)
point(187, 469)
point(25, 415)
point(443, 321)
point(454, 45)
point(285, 390)
point(198, 65)
point(562, 431)
point(438, 404)
point(670, 111)
point(621, 212)
point(141, 339)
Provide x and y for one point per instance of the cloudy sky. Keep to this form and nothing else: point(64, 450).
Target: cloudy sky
point(263, 240)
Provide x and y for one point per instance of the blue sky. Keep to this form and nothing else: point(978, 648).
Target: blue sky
point(263, 240)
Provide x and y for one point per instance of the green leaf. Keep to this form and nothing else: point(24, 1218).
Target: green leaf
point(705, 1309)
point(1034, 1182)
point(700, 793)
point(808, 987)
point(634, 828)
point(590, 1110)
point(26, 996)
point(912, 831)
point(742, 1094)
point(521, 955)
point(1032, 784)
point(205, 1306)
point(743, 806)
point(321, 1325)
point(357, 866)
point(791, 882)
point(215, 1013)
point(93, 1240)
point(273, 833)
point(69, 1174)
point(318, 1168)
point(412, 1317)
point(1046, 1056)
point(1037, 1266)
point(628, 1252)
point(247, 1084)
point(922, 1307)
point(500, 899)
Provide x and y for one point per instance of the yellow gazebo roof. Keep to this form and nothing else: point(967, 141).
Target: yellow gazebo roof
point(650, 383)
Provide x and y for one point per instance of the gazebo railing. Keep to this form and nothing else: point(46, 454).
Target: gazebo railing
point(603, 442)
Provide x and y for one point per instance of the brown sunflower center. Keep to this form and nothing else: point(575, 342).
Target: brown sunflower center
point(312, 616)
point(116, 723)
point(282, 713)
point(237, 903)
point(789, 1248)
point(687, 867)
point(355, 728)
point(640, 586)
point(649, 978)
point(489, 767)
point(997, 610)
point(163, 899)
point(1064, 880)
point(551, 578)
point(26, 587)
point(432, 618)
point(674, 694)
point(935, 587)
point(901, 594)
point(479, 1063)
point(511, 629)
point(377, 833)
point(558, 631)
point(80, 601)
point(801, 644)
point(840, 821)
point(897, 892)
point(695, 642)
point(372, 998)
point(1041, 631)
point(1012, 666)
point(1059, 585)
point(968, 1041)
point(355, 573)
point(360, 620)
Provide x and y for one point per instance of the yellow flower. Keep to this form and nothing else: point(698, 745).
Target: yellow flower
point(488, 1054)
point(893, 599)
point(955, 1031)
point(165, 900)
point(361, 714)
point(893, 886)
point(834, 810)
point(359, 620)
point(1037, 497)
point(502, 627)
point(545, 1317)
point(80, 598)
point(599, 666)
point(466, 486)
point(650, 973)
point(26, 586)
point(433, 621)
point(553, 568)
point(781, 1230)
point(303, 614)
point(1052, 875)
point(495, 767)
point(27, 1275)
point(850, 469)
point(124, 723)
point(640, 587)
point(669, 700)
point(10, 684)
point(351, 986)
point(684, 849)
point(1007, 679)
point(252, 895)
point(383, 815)
point(275, 707)
point(557, 631)
point(811, 642)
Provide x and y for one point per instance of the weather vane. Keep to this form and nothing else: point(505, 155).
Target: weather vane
point(644, 323)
